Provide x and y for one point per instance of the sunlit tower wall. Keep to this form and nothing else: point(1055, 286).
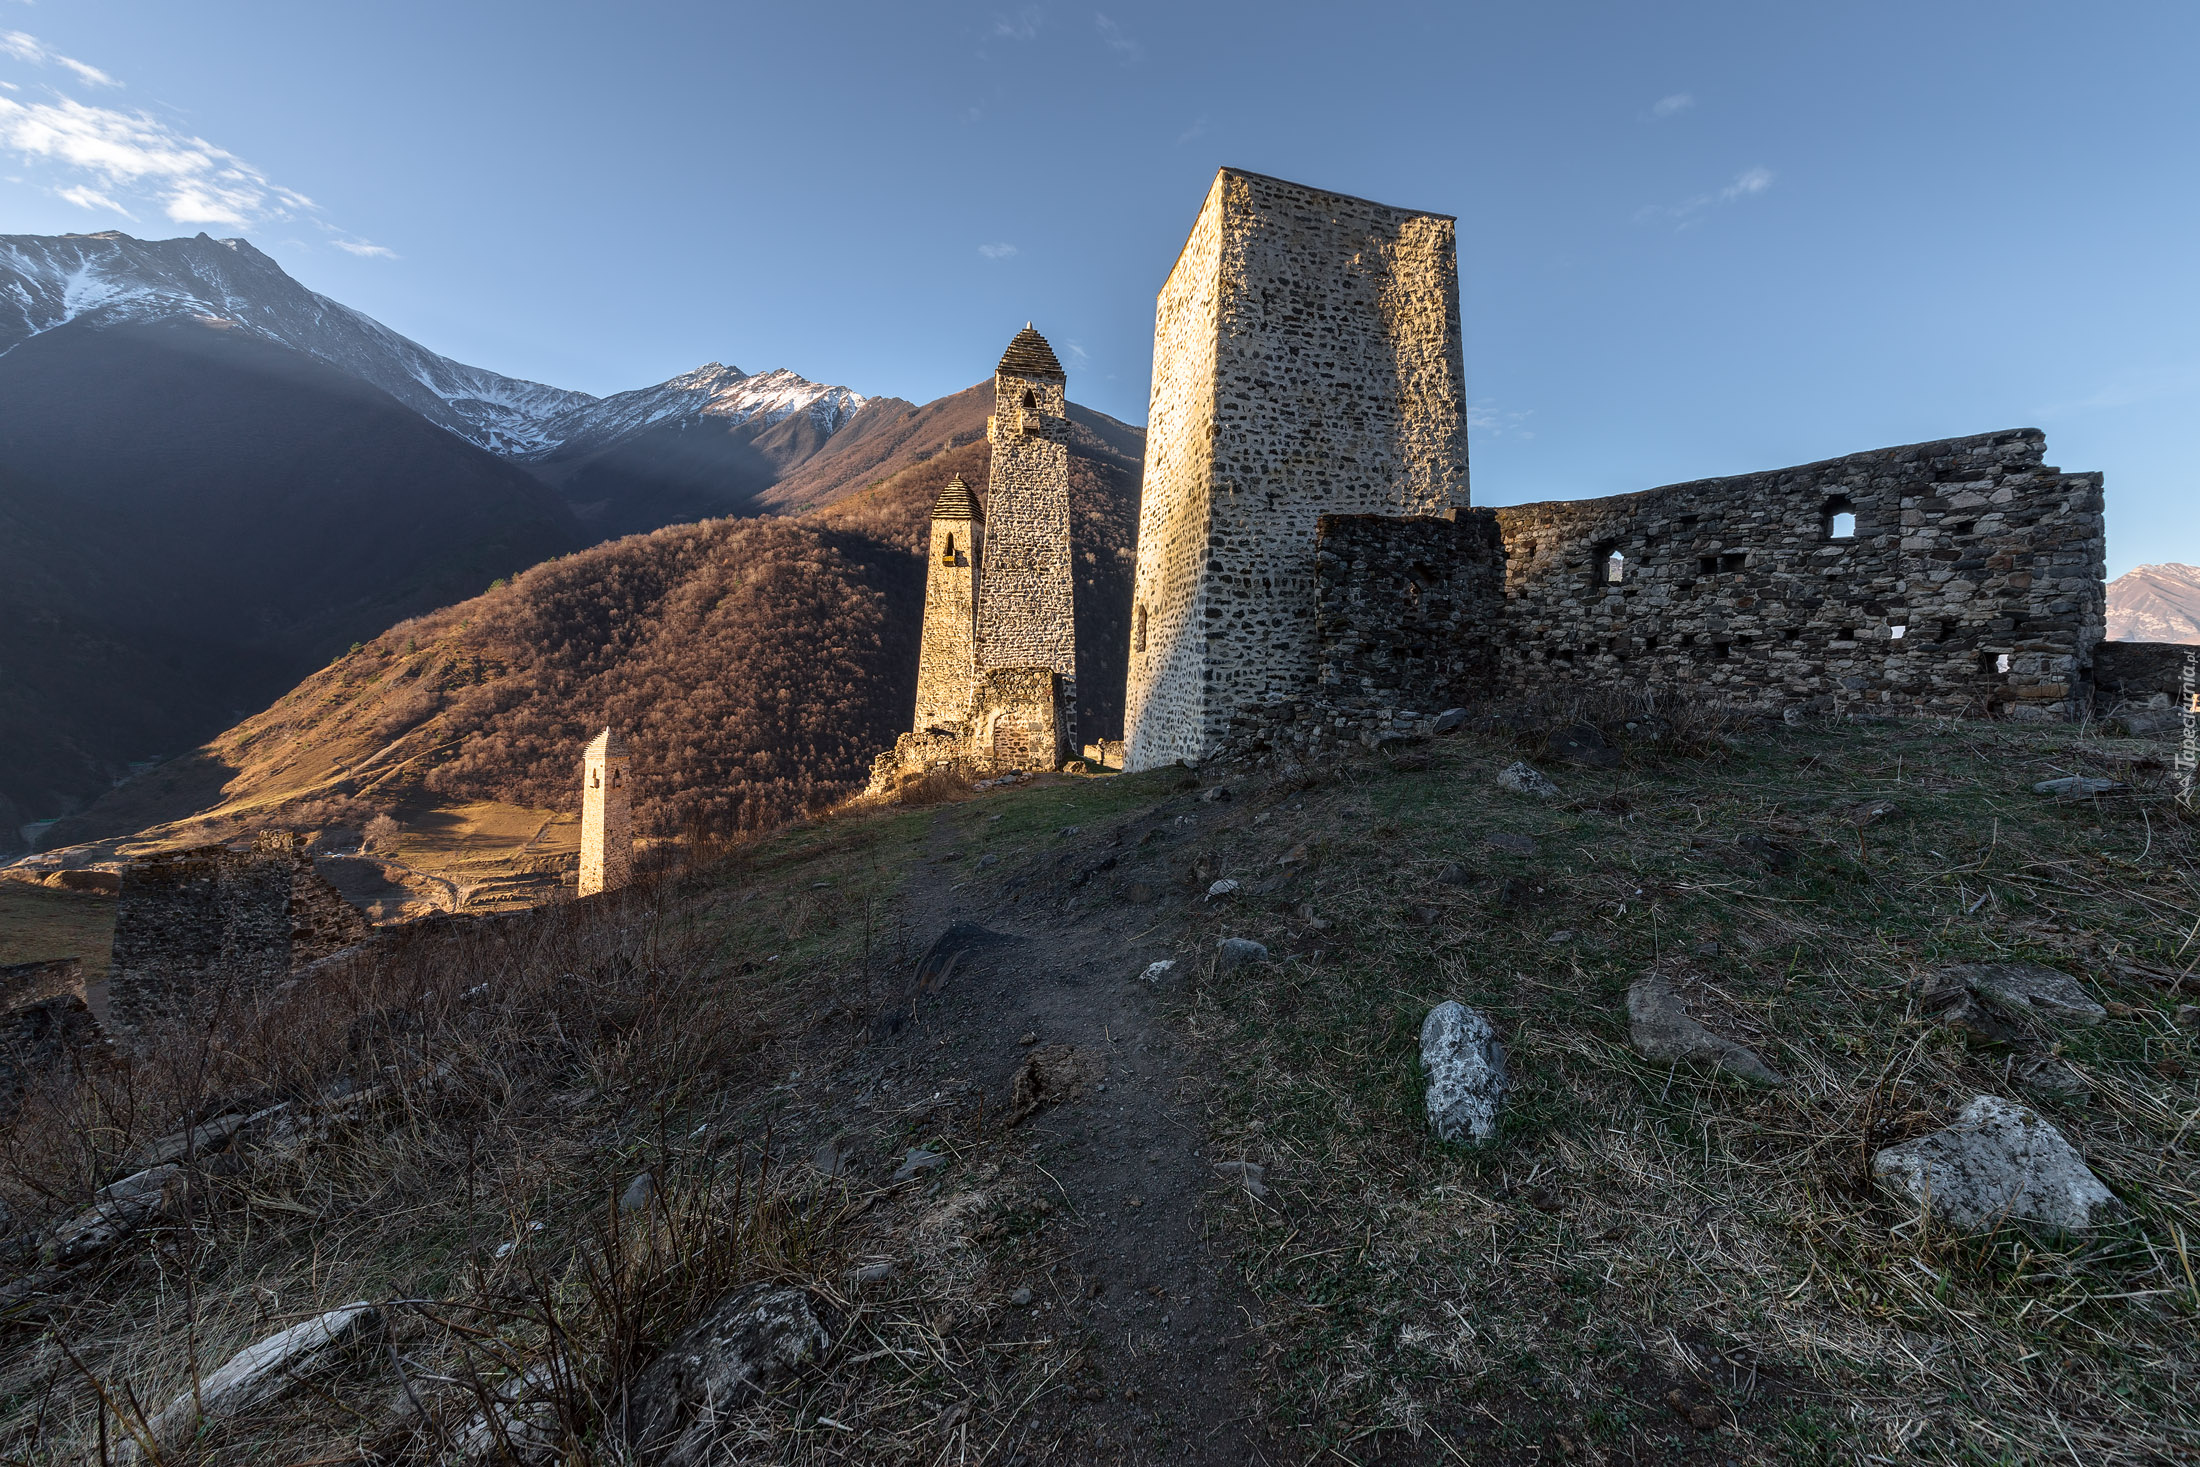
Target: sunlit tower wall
point(1307, 361)
point(1025, 599)
point(947, 659)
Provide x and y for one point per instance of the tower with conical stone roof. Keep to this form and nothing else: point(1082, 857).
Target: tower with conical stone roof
point(1026, 614)
point(947, 660)
point(607, 815)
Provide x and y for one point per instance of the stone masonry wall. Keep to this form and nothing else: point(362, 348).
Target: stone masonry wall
point(199, 929)
point(1312, 341)
point(2141, 675)
point(1020, 719)
point(947, 657)
point(1972, 584)
point(1406, 611)
point(1026, 612)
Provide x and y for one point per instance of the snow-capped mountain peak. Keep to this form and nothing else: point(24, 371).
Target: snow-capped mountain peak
point(50, 281)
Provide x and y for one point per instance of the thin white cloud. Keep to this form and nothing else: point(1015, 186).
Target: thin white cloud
point(1199, 125)
point(29, 48)
point(1115, 38)
point(1491, 421)
point(91, 198)
point(996, 251)
point(112, 159)
point(1748, 181)
point(1689, 213)
point(1672, 106)
point(1077, 354)
point(1022, 26)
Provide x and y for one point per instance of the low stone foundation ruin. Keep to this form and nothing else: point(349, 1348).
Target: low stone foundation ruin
point(1019, 721)
point(198, 929)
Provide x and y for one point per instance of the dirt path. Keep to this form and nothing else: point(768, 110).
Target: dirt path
point(1040, 976)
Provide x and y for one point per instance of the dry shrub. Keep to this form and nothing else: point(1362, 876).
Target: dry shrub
point(457, 1084)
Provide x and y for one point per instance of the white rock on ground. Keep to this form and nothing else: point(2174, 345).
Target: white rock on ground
point(1522, 778)
point(255, 1376)
point(1660, 1028)
point(1999, 1163)
point(1466, 1073)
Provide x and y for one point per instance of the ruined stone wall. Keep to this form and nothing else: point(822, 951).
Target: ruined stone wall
point(39, 1039)
point(196, 930)
point(1971, 585)
point(1307, 361)
point(1026, 609)
point(2141, 675)
point(24, 983)
point(607, 816)
point(947, 658)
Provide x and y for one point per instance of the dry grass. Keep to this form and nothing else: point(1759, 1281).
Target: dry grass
point(1645, 1247)
point(470, 1101)
point(1643, 1229)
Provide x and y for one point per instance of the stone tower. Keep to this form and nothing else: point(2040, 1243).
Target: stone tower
point(1025, 610)
point(607, 815)
point(1307, 361)
point(947, 664)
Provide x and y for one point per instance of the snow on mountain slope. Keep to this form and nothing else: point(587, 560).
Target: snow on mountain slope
point(710, 391)
point(47, 281)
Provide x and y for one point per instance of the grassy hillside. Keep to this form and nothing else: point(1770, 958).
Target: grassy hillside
point(755, 666)
point(1651, 1263)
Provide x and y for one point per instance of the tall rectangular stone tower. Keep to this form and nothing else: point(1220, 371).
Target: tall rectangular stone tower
point(1025, 611)
point(1307, 361)
point(947, 658)
point(607, 815)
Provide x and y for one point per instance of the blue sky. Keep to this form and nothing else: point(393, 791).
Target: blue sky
point(1696, 239)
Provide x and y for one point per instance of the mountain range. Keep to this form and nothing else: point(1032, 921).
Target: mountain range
point(213, 480)
point(2155, 603)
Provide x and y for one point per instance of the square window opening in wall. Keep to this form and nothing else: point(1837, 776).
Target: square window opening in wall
point(1789, 634)
point(1962, 527)
point(1722, 649)
point(1733, 560)
point(1837, 520)
point(1993, 662)
point(1649, 644)
point(1707, 565)
point(1897, 632)
point(1689, 519)
point(1848, 634)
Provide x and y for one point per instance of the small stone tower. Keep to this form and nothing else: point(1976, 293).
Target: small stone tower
point(1025, 601)
point(607, 815)
point(947, 664)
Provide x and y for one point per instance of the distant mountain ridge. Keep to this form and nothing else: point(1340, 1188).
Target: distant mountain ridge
point(50, 281)
point(2155, 603)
